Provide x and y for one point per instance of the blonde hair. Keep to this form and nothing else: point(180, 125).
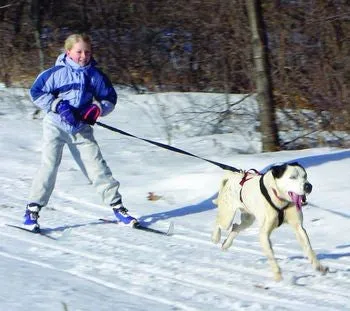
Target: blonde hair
point(74, 38)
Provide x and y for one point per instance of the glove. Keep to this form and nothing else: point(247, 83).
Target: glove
point(67, 112)
point(90, 114)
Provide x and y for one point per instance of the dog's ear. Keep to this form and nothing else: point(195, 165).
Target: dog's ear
point(278, 170)
point(294, 164)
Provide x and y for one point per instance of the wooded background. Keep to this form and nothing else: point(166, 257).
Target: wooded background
point(194, 45)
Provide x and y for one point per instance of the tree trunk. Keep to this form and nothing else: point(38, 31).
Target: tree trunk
point(269, 131)
point(35, 17)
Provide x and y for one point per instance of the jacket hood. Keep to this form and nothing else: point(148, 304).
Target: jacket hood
point(63, 60)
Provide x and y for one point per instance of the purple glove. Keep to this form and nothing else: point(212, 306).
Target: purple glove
point(67, 112)
point(90, 113)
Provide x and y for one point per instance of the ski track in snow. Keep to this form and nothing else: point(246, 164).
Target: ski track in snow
point(95, 266)
point(85, 276)
point(158, 275)
point(215, 275)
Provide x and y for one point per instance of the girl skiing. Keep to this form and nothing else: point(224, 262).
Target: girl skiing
point(73, 94)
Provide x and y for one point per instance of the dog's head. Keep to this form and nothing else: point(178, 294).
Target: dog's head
point(291, 181)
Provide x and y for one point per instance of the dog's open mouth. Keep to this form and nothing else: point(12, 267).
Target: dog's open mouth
point(297, 199)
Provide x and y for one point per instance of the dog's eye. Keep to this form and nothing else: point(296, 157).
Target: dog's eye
point(293, 177)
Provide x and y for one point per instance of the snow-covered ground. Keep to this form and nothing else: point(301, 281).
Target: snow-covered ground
point(95, 266)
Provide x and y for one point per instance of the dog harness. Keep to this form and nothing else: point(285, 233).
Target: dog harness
point(280, 211)
point(246, 177)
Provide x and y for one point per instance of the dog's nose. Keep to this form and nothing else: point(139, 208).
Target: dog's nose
point(307, 187)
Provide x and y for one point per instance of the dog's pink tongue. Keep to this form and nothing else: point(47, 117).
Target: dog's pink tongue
point(297, 199)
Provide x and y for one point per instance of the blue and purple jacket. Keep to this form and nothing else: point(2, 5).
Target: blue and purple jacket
point(67, 80)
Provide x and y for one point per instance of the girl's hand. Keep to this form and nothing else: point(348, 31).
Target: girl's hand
point(90, 113)
point(67, 112)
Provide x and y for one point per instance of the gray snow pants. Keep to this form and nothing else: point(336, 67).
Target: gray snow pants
point(86, 153)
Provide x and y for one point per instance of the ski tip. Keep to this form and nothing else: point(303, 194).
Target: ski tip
point(29, 229)
point(36, 230)
point(171, 229)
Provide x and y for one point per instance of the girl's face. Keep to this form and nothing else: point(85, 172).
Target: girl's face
point(80, 53)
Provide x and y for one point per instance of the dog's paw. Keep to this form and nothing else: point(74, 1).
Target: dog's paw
point(224, 248)
point(215, 239)
point(226, 244)
point(319, 267)
point(323, 269)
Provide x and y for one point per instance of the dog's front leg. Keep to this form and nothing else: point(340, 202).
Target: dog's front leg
point(267, 248)
point(304, 241)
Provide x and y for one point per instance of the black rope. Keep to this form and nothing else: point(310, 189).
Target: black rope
point(171, 148)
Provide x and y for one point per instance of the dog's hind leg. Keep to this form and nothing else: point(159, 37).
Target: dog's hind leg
point(226, 205)
point(224, 221)
point(246, 221)
point(216, 235)
point(224, 218)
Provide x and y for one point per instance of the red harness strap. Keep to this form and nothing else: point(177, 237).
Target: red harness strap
point(247, 176)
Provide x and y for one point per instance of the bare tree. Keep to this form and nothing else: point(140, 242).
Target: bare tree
point(203, 46)
point(36, 20)
point(269, 132)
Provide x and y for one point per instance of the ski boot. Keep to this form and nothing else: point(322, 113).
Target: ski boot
point(121, 213)
point(31, 217)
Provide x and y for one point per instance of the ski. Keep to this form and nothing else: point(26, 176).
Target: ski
point(138, 226)
point(39, 232)
point(168, 232)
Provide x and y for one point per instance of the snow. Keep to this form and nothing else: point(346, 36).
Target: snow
point(95, 266)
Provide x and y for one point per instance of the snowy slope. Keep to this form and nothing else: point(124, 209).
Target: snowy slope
point(95, 266)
